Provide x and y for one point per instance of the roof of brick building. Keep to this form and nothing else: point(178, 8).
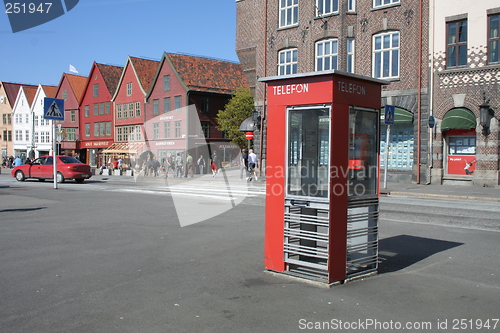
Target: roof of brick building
point(209, 75)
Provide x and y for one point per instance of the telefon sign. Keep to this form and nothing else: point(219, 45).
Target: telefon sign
point(25, 15)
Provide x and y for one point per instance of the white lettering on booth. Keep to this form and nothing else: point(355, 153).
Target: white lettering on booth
point(351, 88)
point(291, 89)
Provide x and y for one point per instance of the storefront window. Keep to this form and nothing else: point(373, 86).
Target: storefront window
point(400, 146)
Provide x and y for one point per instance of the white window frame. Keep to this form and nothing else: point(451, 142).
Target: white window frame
point(384, 3)
point(166, 130)
point(327, 7)
point(288, 61)
point(326, 54)
point(129, 89)
point(289, 13)
point(389, 52)
point(156, 130)
point(349, 55)
point(351, 6)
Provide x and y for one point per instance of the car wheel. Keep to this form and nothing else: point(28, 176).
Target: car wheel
point(20, 176)
point(60, 177)
point(79, 180)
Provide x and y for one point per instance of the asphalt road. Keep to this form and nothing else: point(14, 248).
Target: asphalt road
point(103, 257)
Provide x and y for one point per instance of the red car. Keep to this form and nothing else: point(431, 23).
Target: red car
point(41, 168)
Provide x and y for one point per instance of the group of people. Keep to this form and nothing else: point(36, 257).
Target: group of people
point(11, 162)
point(249, 164)
point(180, 167)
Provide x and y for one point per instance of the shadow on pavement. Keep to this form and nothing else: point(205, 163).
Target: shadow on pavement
point(398, 252)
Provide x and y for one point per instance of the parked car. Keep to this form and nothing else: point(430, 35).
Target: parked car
point(41, 168)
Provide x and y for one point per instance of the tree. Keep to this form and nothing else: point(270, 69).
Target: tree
point(239, 107)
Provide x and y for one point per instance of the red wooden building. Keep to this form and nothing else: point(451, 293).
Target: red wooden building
point(182, 105)
point(70, 89)
point(96, 112)
point(129, 103)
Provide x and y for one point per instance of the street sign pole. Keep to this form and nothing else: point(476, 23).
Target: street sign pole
point(387, 143)
point(388, 120)
point(54, 153)
point(53, 109)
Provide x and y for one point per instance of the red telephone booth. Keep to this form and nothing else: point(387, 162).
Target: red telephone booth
point(322, 175)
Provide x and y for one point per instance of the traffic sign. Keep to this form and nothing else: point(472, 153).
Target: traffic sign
point(249, 135)
point(432, 121)
point(389, 114)
point(53, 108)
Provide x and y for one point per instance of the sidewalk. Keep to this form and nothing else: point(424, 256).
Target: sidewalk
point(443, 191)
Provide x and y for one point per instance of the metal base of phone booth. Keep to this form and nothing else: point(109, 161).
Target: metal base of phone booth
point(307, 233)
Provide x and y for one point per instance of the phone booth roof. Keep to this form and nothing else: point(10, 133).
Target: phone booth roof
point(331, 86)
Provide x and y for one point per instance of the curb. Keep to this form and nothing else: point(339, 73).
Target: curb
point(447, 196)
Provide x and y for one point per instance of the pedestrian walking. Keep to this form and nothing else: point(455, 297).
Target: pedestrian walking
point(252, 165)
point(178, 165)
point(189, 165)
point(244, 163)
point(201, 164)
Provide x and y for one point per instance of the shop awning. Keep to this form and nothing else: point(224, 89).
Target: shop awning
point(125, 148)
point(401, 116)
point(460, 118)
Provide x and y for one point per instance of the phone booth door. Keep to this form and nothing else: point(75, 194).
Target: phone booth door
point(307, 190)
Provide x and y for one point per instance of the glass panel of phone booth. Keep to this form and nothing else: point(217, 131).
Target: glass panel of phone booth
point(306, 202)
point(362, 218)
point(308, 153)
point(363, 152)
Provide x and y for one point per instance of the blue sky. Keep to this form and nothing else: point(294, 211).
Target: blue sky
point(108, 31)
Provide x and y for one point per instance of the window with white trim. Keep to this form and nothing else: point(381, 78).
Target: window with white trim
point(289, 13)
point(131, 110)
point(288, 62)
point(156, 130)
point(350, 55)
point(137, 109)
point(386, 55)
point(177, 128)
point(351, 5)
point(166, 104)
point(327, 54)
point(166, 130)
point(155, 106)
point(326, 7)
point(129, 89)
point(381, 3)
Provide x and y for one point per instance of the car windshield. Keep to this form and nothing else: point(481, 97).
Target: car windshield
point(69, 159)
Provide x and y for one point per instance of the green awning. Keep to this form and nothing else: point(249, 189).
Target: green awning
point(459, 118)
point(401, 116)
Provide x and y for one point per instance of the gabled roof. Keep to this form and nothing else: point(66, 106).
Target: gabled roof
point(30, 92)
point(208, 75)
point(12, 90)
point(50, 91)
point(111, 76)
point(144, 70)
point(77, 84)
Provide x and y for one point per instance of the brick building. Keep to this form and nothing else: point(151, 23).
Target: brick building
point(386, 39)
point(465, 58)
